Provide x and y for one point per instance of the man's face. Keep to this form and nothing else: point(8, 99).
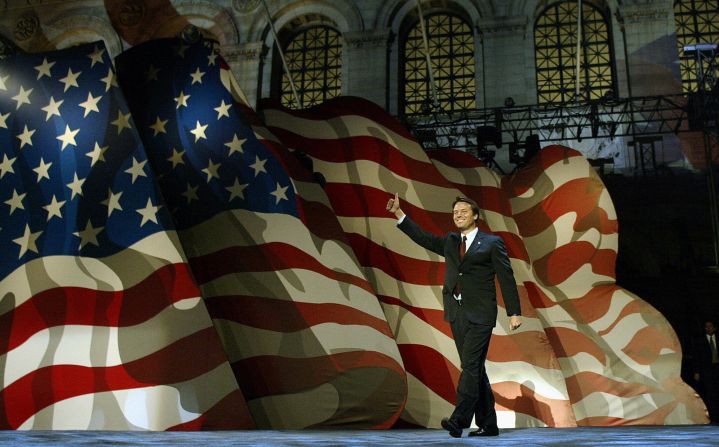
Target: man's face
point(709, 328)
point(463, 216)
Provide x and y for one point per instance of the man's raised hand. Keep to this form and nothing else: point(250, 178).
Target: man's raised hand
point(393, 206)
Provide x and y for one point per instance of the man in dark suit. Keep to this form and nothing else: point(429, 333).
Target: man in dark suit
point(472, 259)
point(706, 368)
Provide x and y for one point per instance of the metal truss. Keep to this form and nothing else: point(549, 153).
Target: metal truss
point(640, 116)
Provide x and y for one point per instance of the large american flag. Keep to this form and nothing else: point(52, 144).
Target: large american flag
point(303, 329)
point(589, 352)
point(101, 323)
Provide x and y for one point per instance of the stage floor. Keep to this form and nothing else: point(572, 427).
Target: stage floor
point(675, 436)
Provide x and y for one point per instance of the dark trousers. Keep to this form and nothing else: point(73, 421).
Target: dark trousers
point(474, 393)
point(709, 379)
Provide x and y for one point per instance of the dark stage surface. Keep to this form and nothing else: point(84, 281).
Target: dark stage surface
point(676, 436)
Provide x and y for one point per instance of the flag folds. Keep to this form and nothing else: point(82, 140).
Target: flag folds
point(303, 329)
point(101, 322)
point(178, 261)
point(588, 353)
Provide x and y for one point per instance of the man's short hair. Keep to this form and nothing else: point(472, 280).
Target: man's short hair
point(470, 202)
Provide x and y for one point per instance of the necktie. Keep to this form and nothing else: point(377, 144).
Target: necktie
point(715, 355)
point(462, 251)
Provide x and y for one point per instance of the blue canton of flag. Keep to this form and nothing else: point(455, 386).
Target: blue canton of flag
point(207, 157)
point(74, 178)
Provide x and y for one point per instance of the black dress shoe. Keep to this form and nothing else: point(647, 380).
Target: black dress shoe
point(452, 428)
point(485, 431)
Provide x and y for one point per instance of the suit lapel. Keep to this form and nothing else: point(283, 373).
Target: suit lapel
point(476, 242)
point(473, 246)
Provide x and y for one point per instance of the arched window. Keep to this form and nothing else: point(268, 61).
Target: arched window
point(451, 49)
point(697, 22)
point(314, 58)
point(555, 46)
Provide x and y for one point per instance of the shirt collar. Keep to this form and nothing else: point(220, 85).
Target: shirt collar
point(470, 236)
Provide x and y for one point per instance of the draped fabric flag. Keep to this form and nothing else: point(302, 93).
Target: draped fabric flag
point(303, 329)
point(101, 323)
point(589, 353)
point(620, 357)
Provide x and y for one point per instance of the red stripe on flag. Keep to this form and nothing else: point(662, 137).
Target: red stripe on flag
point(52, 384)
point(433, 317)
point(253, 311)
point(226, 414)
point(345, 106)
point(568, 342)
point(266, 375)
point(557, 266)
point(79, 306)
point(267, 257)
point(403, 268)
point(432, 369)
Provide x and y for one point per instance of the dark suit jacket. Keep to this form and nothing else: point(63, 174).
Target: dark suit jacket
point(486, 257)
point(702, 354)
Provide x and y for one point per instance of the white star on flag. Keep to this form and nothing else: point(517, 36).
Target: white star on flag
point(6, 165)
point(23, 97)
point(112, 202)
point(26, 137)
point(197, 76)
point(199, 131)
point(191, 193)
point(122, 121)
point(88, 235)
point(182, 100)
point(68, 137)
point(96, 56)
point(176, 158)
point(53, 208)
point(159, 126)
point(280, 193)
point(44, 68)
point(211, 170)
point(237, 190)
point(258, 165)
point(27, 241)
point(235, 145)
point(149, 213)
point(52, 108)
point(137, 169)
point(97, 154)
point(42, 170)
point(223, 109)
point(70, 80)
point(76, 186)
point(110, 80)
point(15, 201)
point(91, 104)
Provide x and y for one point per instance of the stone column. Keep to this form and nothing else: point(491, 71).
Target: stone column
point(364, 62)
point(650, 36)
point(507, 68)
point(245, 61)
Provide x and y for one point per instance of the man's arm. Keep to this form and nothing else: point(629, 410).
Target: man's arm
point(430, 241)
point(505, 275)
